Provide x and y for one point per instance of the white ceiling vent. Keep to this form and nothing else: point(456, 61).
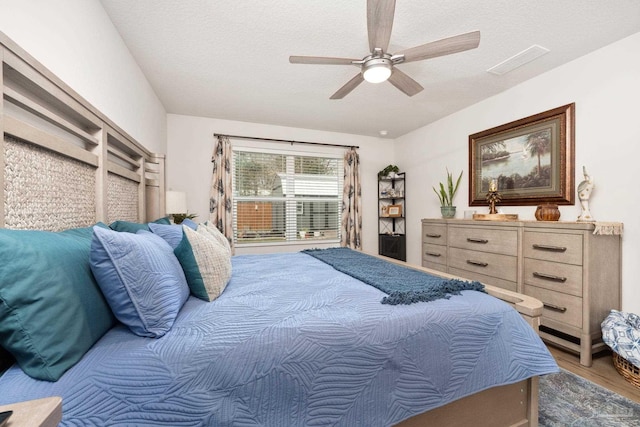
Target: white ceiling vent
point(518, 60)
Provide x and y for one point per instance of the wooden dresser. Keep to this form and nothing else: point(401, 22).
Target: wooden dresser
point(574, 272)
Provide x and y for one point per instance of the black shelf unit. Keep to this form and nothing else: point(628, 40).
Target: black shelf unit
point(391, 224)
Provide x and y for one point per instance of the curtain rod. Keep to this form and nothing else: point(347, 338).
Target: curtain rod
point(287, 140)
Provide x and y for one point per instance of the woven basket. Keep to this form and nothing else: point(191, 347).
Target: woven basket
point(629, 371)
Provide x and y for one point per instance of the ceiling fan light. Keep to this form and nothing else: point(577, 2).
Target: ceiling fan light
point(377, 73)
point(376, 70)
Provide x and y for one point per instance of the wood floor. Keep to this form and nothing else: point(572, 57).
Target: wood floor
point(602, 372)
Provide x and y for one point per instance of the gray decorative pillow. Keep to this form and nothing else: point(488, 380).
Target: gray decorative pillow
point(212, 230)
point(206, 263)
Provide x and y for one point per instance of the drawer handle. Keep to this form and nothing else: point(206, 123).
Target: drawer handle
point(478, 263)
point(549, 277)
point(554, 307)
point(435, 236)
point(474, 240)
point(549, 248)
point(432, 254)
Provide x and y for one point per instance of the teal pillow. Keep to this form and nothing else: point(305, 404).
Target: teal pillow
point(134, 227)
point(141, 279)
point(51, 308)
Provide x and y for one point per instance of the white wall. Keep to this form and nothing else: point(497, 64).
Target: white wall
point(190, 145)
point(76, 41)
point(605, 86)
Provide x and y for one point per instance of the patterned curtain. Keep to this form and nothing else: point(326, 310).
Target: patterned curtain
point(351, 202)
point(220, 204)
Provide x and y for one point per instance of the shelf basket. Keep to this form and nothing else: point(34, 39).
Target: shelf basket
point(625, 368)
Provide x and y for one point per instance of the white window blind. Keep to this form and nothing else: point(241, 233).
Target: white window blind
point(283, 197)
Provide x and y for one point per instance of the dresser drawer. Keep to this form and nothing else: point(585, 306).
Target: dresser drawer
point(434, 233)
point(485, 240)
point(495, 265)
point(487, 280)
point(566, 248)
point(434, 253)
point(565, 278)
point(557, 306)
point(434, 266)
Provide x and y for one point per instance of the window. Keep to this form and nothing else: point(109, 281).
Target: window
point(283, 197)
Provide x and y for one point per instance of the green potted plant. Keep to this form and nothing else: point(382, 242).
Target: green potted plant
point(446, 195)
point(178, 218)
point(387, 171)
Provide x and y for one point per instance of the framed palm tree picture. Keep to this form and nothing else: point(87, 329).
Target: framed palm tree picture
point(531, 160)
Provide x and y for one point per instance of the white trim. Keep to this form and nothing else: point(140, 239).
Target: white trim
point(277, 148)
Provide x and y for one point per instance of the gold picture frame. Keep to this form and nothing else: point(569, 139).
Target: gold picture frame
point(394, 211)
point(532, 160)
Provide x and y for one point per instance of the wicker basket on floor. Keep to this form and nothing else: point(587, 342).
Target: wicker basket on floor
point(629, 371)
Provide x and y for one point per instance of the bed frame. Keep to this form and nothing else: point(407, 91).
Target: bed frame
point(509, 405)
point(64, 164)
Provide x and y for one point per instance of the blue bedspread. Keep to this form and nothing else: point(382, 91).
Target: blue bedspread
point(292, 342)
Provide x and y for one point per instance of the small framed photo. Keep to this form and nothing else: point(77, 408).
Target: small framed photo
point(394, 210)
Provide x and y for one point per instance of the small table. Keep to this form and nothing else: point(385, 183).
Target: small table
point(45, 412)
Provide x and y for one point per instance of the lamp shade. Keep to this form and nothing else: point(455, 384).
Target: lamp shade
point(176, 202)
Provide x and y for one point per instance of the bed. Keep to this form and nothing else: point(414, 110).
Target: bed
point(289, 341)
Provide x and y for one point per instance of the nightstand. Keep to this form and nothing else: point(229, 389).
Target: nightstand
point(45, 412)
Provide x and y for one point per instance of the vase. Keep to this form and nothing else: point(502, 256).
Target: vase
point(548, 212)
point(448, 211)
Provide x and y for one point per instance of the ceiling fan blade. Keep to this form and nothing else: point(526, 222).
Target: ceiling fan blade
point(405, 83)
point(379, 22)
point(442, 47)
point(347, 88)
point(325, 60)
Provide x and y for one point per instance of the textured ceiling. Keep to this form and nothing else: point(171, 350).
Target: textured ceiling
point(228, 59)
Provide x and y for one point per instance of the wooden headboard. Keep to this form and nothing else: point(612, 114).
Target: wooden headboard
point(65, 164)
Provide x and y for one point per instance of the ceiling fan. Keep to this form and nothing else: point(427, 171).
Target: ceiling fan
point(380, 65)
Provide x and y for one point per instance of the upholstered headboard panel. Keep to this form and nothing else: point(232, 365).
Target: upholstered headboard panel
point(122, 201)
point(63, 163)
point(45, 190)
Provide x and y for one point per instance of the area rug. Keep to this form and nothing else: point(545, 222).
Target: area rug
point(569, 400)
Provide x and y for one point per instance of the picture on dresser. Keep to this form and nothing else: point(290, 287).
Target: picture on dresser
point(531, 160)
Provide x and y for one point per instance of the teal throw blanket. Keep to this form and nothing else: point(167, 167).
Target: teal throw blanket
point(403, 285)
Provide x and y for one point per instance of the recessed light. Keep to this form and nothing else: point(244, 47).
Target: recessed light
point(383, 133)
